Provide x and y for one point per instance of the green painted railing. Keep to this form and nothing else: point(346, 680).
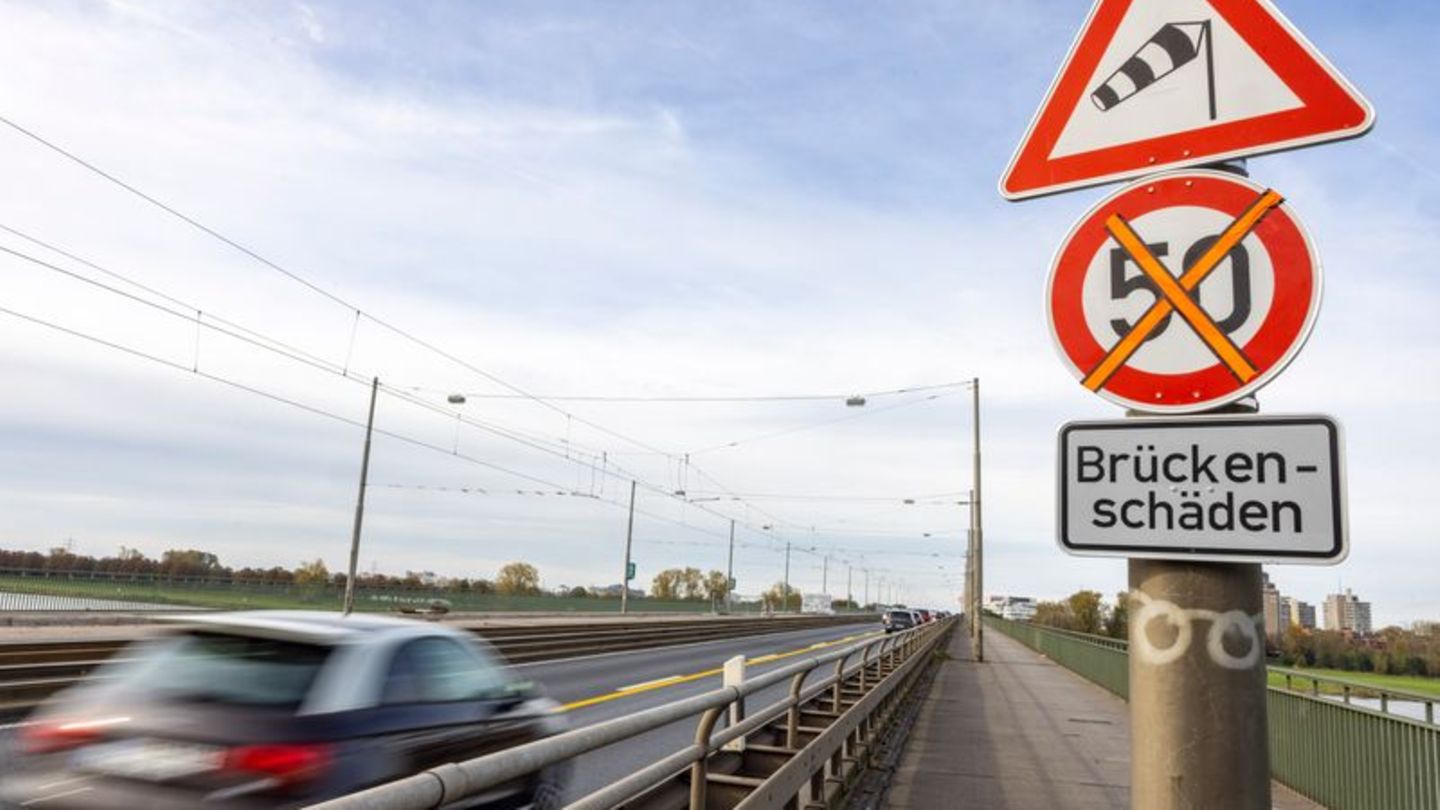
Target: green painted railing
point(1343, 756)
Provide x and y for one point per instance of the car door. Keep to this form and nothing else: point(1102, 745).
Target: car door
point(448, 697)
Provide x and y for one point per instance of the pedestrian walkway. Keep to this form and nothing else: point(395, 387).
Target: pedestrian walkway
point(1019, 732)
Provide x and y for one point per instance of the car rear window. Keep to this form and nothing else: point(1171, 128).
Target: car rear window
point(227, 669)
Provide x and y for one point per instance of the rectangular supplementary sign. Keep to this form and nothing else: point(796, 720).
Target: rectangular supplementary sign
point(1243, 488)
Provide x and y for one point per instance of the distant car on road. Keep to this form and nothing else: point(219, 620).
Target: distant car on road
point(279, 709)
point(894, 620)
point(925, 617)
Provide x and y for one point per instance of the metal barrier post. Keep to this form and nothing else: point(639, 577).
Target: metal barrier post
point(700, 770)
point(735, 676)
point(792, 717)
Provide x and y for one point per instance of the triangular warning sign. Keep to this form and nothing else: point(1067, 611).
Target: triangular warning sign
point(1156, 84)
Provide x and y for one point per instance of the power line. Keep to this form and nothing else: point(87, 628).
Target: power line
point(313, 286)
point(719, 399)
point(360, 314)
point(815, 426)
point(318, 411)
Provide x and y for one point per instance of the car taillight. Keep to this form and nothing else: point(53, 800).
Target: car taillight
point(47, 736)
point(287, 764)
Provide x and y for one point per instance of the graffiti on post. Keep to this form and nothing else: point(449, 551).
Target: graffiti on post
point(1222, 623)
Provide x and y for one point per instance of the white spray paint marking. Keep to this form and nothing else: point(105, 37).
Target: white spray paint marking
point(1221, 622)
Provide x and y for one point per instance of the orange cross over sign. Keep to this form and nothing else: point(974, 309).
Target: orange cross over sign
point(1247, 294)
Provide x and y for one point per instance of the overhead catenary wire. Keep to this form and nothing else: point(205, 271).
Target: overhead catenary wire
point(721, 399)
point(202, 321)
point(313, 286)
point(344, 368)
point(318, 411)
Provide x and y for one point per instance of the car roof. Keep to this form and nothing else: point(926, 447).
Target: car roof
point(311, 626)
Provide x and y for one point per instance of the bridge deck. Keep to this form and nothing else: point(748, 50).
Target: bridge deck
point(1020, 732)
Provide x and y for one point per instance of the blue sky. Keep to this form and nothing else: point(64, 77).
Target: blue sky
point(635, 198)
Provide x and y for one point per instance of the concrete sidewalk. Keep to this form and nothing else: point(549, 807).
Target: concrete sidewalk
point(1019, 732)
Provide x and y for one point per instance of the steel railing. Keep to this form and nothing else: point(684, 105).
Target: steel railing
point(810, 745)
point(1346, 757)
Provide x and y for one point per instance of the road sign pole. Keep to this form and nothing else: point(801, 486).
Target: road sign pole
point(629, 536)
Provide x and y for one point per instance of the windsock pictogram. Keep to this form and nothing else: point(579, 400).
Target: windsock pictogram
point(1173, 46)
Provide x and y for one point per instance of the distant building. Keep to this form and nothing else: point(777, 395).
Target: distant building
point(1270, 601)
point(1346, 613)
point(1019, 609)
point(1298, 613)
point(1014, 608)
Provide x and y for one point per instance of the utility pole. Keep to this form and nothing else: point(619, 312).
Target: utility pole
point(629, 535)
point(825, 574)
point(360, 503)
point(730, 571)
point(867, 586)
point(785, 589)
point(975, 522)
point(849, 585)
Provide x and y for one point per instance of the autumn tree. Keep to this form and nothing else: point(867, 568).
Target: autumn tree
point(518, 579)
point(667, 584)
point(312, 573)
point(1117, 623)
point(1085, 607)
point(779, 597)
point(692, 584)
point(717, 587)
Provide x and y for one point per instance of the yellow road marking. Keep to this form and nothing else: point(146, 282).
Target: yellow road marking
point(676, 680)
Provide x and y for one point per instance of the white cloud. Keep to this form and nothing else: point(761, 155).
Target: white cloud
point(614, 248)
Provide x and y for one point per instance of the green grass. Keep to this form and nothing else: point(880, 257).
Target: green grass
point(258, 597)
point(1403, 683)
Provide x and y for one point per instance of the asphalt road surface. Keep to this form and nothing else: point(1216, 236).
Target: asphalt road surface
point(597, 688)
point(606, 678)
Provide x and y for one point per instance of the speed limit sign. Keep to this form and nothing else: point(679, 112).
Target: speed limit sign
point(1183, 292)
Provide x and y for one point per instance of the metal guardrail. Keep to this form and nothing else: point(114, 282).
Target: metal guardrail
point(31, 671)
point(1344, 756)
point(1347, 689)
point(804, 750)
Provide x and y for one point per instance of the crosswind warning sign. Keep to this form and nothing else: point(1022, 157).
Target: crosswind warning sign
point(1184, 291)
point(1158, 84)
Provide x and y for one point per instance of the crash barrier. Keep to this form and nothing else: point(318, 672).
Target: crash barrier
point(31, 671)
point(805, 750)
point(1323, 744)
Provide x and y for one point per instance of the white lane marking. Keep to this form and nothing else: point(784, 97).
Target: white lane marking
point(658, 681)
point(53, 796)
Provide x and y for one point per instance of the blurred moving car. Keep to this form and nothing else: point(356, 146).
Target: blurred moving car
point(280, 709)
point(894, 620)
point(925, 617)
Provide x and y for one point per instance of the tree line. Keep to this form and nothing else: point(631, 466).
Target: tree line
point(1390, 651)
point(513, 579)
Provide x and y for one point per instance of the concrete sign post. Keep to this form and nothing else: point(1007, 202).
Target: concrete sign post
point(1184, 293)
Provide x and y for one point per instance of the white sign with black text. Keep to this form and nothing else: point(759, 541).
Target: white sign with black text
point(1228, 488)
